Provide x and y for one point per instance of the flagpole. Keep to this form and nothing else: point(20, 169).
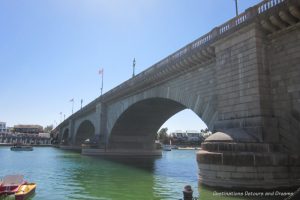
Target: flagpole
point(102, 82)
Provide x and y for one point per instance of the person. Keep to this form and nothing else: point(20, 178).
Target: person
point(187, 193)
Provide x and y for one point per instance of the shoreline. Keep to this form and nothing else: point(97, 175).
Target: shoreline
point(34, 145)
point(189, 148)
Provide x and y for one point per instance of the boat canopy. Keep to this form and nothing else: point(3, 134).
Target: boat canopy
point(12, 180)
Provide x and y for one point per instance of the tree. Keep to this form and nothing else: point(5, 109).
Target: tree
point(162, 134)
point(48, 128)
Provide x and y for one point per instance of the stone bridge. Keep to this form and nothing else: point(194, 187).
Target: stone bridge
point(242, 79)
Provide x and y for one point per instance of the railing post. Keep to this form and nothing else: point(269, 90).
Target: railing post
point(215, 32)
point(251, 12)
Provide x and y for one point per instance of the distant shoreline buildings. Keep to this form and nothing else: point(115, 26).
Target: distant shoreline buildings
point(32, 129)
point(190, 135)
point(3, 127)
point(26, 134)
point(183, 138)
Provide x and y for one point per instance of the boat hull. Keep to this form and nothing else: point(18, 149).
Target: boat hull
point(25, 191)
point(21, 149)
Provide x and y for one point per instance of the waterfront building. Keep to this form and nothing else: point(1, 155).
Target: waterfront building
point(187, 136)
point(32, 129)
point(44, 135)
point(193, 136)
point(178, 134)
point(24, 138)
point(3, 128)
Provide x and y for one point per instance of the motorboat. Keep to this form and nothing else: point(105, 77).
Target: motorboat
point(167, 147)
point(19, 147)
point(22, 148)
point(11, 184)
point(25, 191)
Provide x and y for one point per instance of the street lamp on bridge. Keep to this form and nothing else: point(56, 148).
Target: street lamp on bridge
point(236, 8)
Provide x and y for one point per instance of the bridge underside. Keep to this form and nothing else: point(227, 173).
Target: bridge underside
point(137, 126)
point(85, 131)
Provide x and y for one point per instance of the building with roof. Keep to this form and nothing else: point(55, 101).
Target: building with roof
point(33, 129)
point(3, 128)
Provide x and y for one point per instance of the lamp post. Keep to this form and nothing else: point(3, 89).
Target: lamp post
point(60, 117)
point(133, 67)
point(72, 100)
point(236, 8)
point(101, 72)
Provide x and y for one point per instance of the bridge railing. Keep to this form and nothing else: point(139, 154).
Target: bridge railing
point(215, 33)
point(201, 42)
point(266, 5)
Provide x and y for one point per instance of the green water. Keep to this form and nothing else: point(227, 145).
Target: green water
point(65, 175)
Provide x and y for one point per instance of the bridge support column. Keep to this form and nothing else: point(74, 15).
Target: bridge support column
point(71, 139)
point(247, 151)
point(102, 113)
point(135, 146)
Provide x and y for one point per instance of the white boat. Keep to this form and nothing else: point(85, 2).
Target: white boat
point(167, 147)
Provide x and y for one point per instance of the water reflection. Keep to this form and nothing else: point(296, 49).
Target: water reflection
point(66, 175)
point(96, 178)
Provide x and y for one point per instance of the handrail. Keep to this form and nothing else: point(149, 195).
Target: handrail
point(266, 5)
point(205, 39)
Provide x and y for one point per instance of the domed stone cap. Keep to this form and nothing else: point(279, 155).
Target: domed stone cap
point(219, 137)
point(231, 135)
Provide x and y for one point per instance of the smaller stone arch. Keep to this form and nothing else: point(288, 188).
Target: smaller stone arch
point(65, 137)
point(85, 131)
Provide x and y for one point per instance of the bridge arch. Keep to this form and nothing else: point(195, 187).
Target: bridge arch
point(136, 126)
point(85, 130)
point(65, 137)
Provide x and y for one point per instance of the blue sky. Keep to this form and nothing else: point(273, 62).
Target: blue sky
point(51, 50)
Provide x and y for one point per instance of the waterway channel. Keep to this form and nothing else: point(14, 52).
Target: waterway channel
point(66, 175)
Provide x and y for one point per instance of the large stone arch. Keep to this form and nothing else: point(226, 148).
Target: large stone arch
point(202, 104)
point(85, 130)
point(136, 126)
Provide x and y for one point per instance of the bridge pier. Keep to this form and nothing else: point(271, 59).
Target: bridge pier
point(121, 152)
point(226, 163)
point(69, 147)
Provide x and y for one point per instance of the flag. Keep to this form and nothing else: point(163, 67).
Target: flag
point(101, 71)
point(72, 100)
